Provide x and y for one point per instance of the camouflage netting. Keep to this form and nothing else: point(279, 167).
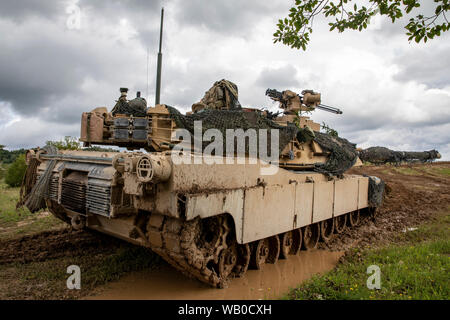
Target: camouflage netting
point(382, 155)
point(376, 191)
point(232, 119)
point(379, 155)
point(424, 156)
point(136, 107)
point(385, 155)
point(220, 109)
point(343, 154)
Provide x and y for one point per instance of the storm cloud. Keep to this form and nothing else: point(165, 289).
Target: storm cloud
point(393, 93)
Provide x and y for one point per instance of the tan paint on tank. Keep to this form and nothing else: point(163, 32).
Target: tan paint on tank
point(261, 206)
point(208, 205)
point(268, 211)
point(363, 194)
point(186, 177)
point(323, 201)
point(344, 203)
point(274, 209)
point(304, 203)
point(119, 228)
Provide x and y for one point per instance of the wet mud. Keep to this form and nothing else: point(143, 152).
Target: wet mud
point(272, 281)
point(55, 244)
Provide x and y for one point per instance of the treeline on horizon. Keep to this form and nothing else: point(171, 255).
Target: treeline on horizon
point(8, 157)
point(13, 166)
point(68, 143)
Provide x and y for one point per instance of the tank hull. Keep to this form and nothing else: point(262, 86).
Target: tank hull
point(208, 218)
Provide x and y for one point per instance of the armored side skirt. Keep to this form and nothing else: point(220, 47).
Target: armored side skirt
point(261, 206)
point(265, 211)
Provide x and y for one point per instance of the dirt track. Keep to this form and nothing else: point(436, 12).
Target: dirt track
point(54, 244)
point(414, 194)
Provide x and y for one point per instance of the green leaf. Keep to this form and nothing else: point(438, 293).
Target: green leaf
point(438, 9)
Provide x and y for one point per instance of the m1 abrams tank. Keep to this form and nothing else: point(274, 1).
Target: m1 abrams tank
point(210, 216)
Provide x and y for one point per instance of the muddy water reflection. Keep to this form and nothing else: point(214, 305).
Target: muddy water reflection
point(273, 281)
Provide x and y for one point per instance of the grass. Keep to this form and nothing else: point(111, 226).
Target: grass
point(17, 223)
point(433, 170)
point(444, 171)
point(47, 279)
point(416, 267)
point(8, 199)
point(407, 171)
point(438, 171)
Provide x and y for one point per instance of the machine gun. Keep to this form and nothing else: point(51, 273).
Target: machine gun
point(293, 102)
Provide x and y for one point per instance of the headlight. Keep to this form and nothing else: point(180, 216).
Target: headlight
point(153, 169)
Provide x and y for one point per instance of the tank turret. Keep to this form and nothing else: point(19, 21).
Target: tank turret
point(301, 144)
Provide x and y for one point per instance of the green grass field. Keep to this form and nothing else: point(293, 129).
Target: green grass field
point(16, 223)
point(416, 267)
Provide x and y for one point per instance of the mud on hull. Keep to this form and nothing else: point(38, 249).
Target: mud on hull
point(211, 222)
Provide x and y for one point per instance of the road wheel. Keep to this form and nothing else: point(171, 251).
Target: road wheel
point(260, 252)
point(274, 249)
point(340, 223)
point(244, 254)
point(290, 243)
point(311, 235)
point(326, 229)
point(353, 218)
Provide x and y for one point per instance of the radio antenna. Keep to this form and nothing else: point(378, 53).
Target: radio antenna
point(158, 70)
point(146, 95)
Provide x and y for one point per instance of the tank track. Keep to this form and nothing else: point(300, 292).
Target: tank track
point(206, 249)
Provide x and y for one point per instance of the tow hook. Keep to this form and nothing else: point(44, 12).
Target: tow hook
point(78, 222)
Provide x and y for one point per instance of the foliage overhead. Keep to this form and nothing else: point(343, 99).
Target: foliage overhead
point(295, 29)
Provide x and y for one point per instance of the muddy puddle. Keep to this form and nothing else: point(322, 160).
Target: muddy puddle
point(273, 281)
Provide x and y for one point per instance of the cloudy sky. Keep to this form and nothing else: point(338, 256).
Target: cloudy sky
point(393, 93)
